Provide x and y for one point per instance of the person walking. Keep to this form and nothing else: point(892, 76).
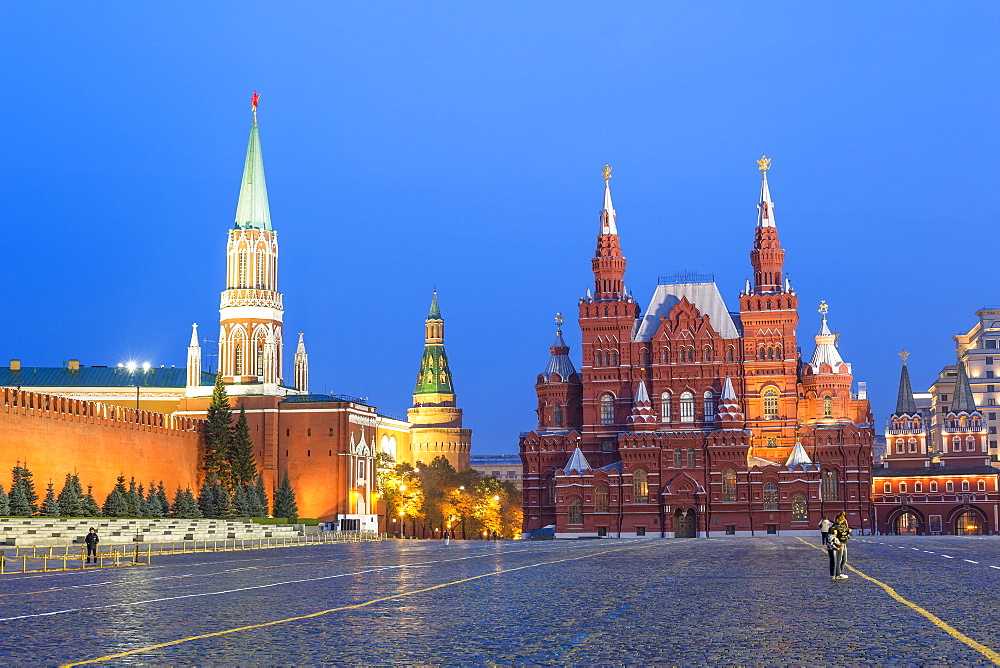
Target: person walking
point(92, 540)
point(836, 545)
point(824, 528)
point(447, 537)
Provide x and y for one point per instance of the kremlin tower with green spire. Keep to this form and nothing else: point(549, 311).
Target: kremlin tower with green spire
point(437, 421)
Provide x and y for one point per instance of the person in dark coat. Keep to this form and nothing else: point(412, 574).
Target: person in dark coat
point(92, 540)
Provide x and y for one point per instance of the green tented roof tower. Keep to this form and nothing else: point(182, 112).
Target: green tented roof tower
point(436, 420)
point(252, 211)
point(434, 376)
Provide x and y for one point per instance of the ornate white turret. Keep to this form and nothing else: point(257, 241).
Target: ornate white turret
point(194, 359)
point(798, 457)
point(642, 417)
point(301, 367)
point(765, 209)
point(826, 349)
point(729, 414)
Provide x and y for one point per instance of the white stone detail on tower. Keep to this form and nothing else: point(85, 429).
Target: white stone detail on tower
point(194, 359)
point(301, 364)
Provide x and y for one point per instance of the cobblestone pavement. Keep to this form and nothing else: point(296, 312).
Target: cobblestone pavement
point(762, 601)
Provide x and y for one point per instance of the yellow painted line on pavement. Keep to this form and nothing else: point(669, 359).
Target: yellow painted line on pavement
point(934, 619)
point(346, 607)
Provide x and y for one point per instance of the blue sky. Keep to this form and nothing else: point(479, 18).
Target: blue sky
point(460, 145)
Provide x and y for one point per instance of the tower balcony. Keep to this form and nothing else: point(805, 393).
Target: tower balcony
point(889, 431)
point(945, 429)
point(251, 297)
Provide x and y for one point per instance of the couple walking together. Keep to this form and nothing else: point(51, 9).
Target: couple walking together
point(835, 537)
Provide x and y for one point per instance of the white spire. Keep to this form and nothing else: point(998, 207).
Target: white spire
point(798, 456)
point(608, 212)
point(788, 285)
point(746, 288)
point(577, 462)
point(641, 395)
point(765, 209)
point(826, 350)
point(728, 393)
point(301, 364)
point(194, 359)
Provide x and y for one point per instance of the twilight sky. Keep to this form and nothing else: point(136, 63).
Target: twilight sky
point(409, 145)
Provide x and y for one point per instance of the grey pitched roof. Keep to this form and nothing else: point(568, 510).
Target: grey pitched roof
point(963, 400)
point(705, 296)
point(577, 462)
point(97, 376)
point(904, 400)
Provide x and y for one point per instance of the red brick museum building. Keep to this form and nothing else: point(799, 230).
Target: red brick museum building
point(689, 419)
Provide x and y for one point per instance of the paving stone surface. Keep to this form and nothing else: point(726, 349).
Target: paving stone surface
point(748, 602)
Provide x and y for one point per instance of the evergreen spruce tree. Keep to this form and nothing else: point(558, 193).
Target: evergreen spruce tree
point(161, 492)
point(218, 434)
point(156, 509)
point(19, 506)
point(117, 503)
point(184, 505)
point(4, 503)
point(260, 493)
point(208, 497)
point(284, 500)
point(244, 501)
point(22, 480)
point(132, 498)
point(223, 502)
point(90, 507)
point(242, 462)
point(71, 497)
point(50, 508)
point(143, 505)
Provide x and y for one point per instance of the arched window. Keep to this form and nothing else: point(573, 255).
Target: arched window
point(933, 485)
point(827, 407)
point(552, 491)
point(599, 359)
point(707, 354)
point(887, 488)
point(557, 418)
point(666, 355)
point(613, 358)
point(981, 486)
point(770, 353)
point(902, 488)
point(239, 359)
point(243, 268)
point(709, 406)
point(729, 485)
point(900, 446)
point(644, 357)
point(965, 485)
point(678, 458)
point(260, 356)
point(956, 444)
point(830, 486)
point(770, 396)
point(730, 354)
point(640, 488)
point(665, 407)
point(574, 510)
point(949, 486)
point(687, 407)
point(601, 500)
point(970, 444)
point(762, 353)
point(690, 458)
point(259, 268)
point(913, 444)
point(918, 486)
point(683, 354)
point(777, 352)
point(800, 508)
point(607, 409)
point(770, 496)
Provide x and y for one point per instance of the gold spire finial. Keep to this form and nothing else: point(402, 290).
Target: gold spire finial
point(764, 163)
point(559, 320)
point(823, 308)
point(606, 172)
point(904, 354)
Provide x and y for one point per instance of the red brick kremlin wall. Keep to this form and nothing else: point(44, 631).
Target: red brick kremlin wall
point(54, 435)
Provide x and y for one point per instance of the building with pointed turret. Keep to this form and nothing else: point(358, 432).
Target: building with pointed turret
point(939, 473)
point(436, 419)
point(689, 419)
